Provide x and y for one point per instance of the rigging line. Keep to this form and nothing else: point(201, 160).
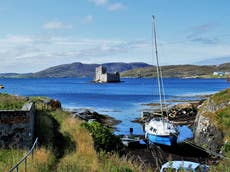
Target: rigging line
point(163, 92)
point(156, 54)
point(159, 74)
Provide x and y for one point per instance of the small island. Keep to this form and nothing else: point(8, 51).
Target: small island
point(102, 76)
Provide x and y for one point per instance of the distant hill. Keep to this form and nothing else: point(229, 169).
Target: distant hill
point(127, 70)
point(76, 70)
point(84, 70)
point(178, 71)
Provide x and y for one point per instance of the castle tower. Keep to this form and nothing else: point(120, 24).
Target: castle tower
point(100, 70)
point(102, 75)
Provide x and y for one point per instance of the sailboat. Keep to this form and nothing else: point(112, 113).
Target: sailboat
point(160, 130)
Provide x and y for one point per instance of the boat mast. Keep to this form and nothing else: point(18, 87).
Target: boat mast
point(159, 80)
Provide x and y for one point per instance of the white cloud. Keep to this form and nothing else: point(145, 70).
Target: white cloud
point(18, 39)
point(56, 25)
point(88, 19)
point(110, 6)
point(99, 2)
point(188, 53)
point(25, 53)
point(116, 7)
point(40, 52)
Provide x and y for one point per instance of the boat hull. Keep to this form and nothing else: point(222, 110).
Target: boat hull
point(163, 140)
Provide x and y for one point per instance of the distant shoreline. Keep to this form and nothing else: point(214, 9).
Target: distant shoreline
point(134, 70)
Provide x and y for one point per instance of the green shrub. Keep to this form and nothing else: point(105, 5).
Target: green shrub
point(103, 137)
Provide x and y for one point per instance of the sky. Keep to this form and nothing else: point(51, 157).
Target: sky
point(37, 34)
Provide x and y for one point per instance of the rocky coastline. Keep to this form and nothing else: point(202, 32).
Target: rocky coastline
point(89, 115)
point(192, 114)
point(200, 115)
point(155, 155)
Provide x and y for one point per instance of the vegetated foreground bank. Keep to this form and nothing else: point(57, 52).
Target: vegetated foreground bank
point(69, 144)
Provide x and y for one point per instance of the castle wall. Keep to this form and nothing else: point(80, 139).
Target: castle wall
point(103, 76)
point(113, 77)
point(17, 127)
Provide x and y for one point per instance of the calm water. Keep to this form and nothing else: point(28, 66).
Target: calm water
point(123, 101)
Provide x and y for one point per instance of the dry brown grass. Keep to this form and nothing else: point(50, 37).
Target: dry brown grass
point(43, 160)
point(84, 158)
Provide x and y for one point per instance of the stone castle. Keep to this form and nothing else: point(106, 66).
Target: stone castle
point(102, 75)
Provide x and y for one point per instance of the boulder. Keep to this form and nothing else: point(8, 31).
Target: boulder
point(52, 104)
point(206, 133)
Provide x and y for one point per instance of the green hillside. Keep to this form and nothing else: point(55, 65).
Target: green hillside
point(178, 71)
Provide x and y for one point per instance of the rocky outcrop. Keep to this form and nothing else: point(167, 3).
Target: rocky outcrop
point(89, 116)
point(181, 114)
point(206, 132)
point(51, 104)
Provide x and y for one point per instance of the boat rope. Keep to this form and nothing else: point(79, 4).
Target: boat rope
point(163, 92)
point(206, 150)
point(154, 44)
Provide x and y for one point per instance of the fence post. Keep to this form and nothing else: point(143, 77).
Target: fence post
point(32, 154)
point(25, 165)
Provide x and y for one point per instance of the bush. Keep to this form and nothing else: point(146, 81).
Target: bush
point(103, 137)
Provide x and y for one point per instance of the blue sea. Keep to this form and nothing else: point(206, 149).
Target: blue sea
point(124, 101)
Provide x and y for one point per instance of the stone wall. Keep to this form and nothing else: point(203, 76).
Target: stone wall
point(113, 77)
point(103, 76)
point(17, 127)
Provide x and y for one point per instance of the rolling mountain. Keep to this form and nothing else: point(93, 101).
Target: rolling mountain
point(83, 70)
point(127, 70)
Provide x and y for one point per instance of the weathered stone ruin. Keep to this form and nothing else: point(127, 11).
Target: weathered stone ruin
point(102, 75)
point(17, 127)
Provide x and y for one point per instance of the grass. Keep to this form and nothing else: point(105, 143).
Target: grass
point(84, 157)
point(42, 160)
point(222, 97)
point(10, 102)
point(9, 157)
point(64, 145)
